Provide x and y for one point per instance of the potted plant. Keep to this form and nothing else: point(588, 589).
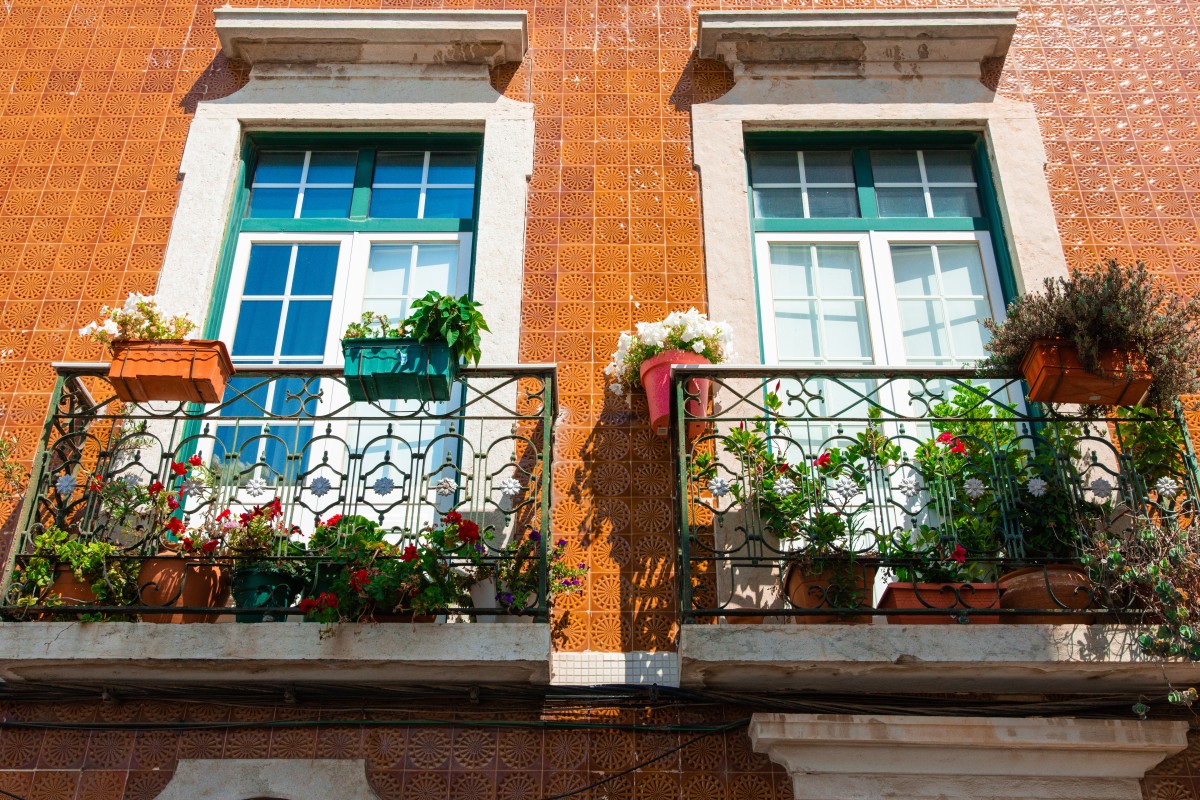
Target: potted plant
point(1104, 337)
point(936, 574)
point(644, 358)
point(267, 571)
point(151, 358)
point(518, 575)
point(66, 570)
point(416, 359)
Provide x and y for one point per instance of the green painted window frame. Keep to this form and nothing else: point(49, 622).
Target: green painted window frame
point(860, 144)
point(367, 145)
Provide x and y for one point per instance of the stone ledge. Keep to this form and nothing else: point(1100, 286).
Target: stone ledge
point(288, 652)
point(857, 43)
point(354, 36)
point(923, 658)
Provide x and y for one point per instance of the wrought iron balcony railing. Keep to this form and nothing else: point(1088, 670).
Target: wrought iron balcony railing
point(918, 495)
point(158, 480)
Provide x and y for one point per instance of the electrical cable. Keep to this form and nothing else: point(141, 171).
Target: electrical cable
point(10, 794)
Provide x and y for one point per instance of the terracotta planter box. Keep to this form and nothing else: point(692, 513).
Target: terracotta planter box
point(940, 595)
point(656, 380)
point(176, 370)
point(1055, 375)
point(807, 587)
point(172, 581)
point(1055, 586)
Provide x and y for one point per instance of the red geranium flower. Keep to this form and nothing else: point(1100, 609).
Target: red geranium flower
point(188, 544)
point(172, 503)
point(823, 460)
point(452, 518)
point(360, 580)
point(332, 521)
point(179, 468)
point(196, 460)
point(224, 515)
point(209, 546)
point(308, 605)
point(155, 488)
point(175, 525)
point(468, 531)
point(410, 553)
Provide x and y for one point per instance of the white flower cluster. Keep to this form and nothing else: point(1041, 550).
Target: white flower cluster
point(681, 330)
point(139, 318)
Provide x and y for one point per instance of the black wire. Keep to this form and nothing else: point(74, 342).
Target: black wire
point(723, 729)
point(10, 794)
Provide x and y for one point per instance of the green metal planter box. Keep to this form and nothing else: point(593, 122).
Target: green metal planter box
point(398, 369)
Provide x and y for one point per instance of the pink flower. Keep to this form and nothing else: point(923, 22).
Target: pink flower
point(959, 554)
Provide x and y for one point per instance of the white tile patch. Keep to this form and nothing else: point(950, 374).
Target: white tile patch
point(591, 668)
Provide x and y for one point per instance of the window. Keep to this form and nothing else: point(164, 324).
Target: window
point(323, 233)
point(872, 255)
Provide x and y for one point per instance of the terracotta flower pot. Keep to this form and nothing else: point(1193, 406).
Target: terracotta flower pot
point(940, 595)
point(183, 370)
point(656, 380)
point(1056, 375)
point(807, 585)
point(1055, 586)
point(73, 591)
point(172, 581)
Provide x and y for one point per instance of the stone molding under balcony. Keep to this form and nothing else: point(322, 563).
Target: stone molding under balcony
point(360, 36)
point(280, 653)
point(1003, 659)
point(906, 45)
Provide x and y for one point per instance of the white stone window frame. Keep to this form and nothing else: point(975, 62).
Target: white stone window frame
point(912, 70)
point(412, 71)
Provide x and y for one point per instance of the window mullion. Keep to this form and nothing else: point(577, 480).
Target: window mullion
point(360, 198)
point(864, 178)
point(303, 181)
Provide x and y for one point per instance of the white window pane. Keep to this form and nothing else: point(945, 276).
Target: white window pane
point(796, 330)
point(955, 201)
point(895, 166)
point(828, 166)
point(966, 328)
point(962, 270)
point(774, 167)
point(786, 203)
point(901, 201)
point(924, 330)
point(791, 270)
point(912, 265)
point(435, 269)
point(846, 331)
point(840, 271)
point(949, 166)
point(832, 203)
point(387, 270)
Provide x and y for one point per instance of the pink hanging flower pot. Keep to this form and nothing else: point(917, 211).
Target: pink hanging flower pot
point(656, 380)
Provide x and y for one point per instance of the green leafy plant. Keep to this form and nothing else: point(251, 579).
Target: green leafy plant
point(518, 573)
point(374, 326)
point(435, 317)
point(14, 476)
point(139, 318)
point(96, 563)
point(1110, 306)
point(259, 539)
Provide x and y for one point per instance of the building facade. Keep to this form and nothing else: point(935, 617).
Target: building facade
point(850, 185)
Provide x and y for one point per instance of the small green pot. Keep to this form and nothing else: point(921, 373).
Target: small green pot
point(264, 587)
point(398, 369)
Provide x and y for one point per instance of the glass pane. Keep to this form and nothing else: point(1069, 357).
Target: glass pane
point(436, 266)
point(791, 270)
point(912, 265)
point(273, 203)
point(245, 398)
point(449, 203)
point(955, 201)
point(788, 203)
point(832, 202)
point(452, 168)
point(962, 270)
point(238, 443)
point(307, 325)
point(949, 166)
point(399, 167)
point(279, 167)
point(846, 331)
point(266, 272)
point(395, 203)
point(774, 167)
point(257, 326)
point(823, 166)
point(316, 269)
point(293, 396)
point(966, 327)
point(924, 334)
point(326, 203)
point(396, 309)
point(332, 167)
point(840, 272)
point(901, 202)
point(796, 330)
point(895, 166)
point(387, 270)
